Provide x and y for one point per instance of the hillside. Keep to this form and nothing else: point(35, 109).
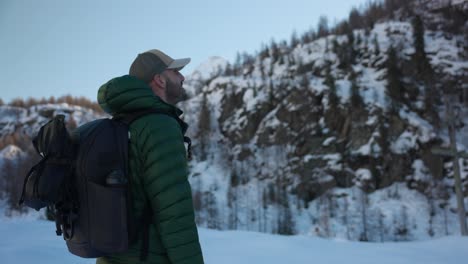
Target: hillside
point(333, 137)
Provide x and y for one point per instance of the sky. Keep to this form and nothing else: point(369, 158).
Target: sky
point(59, 47)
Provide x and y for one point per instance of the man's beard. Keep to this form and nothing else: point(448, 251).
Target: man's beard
point(174, 92)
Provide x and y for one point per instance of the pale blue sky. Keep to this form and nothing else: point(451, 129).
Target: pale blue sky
point(58, 47)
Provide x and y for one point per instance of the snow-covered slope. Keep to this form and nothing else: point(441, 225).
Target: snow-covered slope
point(28, 120)
point(34, 241)
point(273, 155)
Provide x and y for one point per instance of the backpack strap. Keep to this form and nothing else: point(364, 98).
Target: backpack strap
point(31, 171)
point(129, 118)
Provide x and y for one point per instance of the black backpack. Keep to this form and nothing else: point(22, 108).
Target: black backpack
point(82, 179)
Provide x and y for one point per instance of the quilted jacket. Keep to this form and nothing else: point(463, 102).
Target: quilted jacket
point(158, 171)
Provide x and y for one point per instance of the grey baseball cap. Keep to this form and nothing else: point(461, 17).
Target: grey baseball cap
point(152, 62)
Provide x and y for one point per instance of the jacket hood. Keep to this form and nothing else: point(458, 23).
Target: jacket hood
point(127, 94)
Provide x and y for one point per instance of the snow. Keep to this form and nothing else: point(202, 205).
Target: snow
point(32, 118)
point(373, 85)
point(333, 161)
point(420, 171)
point(28, 240)
point(363, 174)
point(405, 142)
point(209, 69)
point(425, 130)
point(10, 152)
point(372, 120)
point(369, 148)
point(328, 141)
point(252, 98)
point(10, 113)
point(443, 54)
point(343, 90)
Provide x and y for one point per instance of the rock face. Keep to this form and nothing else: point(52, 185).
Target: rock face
point(302, 143)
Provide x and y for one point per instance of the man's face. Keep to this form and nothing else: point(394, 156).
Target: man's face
point(174, 90)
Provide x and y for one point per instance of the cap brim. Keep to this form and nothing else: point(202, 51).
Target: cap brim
point(179, 64)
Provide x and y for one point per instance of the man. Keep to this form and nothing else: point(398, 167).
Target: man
point(157, 159)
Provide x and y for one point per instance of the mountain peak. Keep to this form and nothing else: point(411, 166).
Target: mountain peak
point(208, 69)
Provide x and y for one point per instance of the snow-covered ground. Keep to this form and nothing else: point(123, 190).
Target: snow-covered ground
point(28, 240)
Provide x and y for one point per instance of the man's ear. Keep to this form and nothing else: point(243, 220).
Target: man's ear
point(159, 80)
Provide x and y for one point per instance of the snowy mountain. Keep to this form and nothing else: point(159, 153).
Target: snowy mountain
point(310, 139)
point(329, 136)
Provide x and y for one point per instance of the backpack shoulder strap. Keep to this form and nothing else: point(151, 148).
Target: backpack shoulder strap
point(129, 118)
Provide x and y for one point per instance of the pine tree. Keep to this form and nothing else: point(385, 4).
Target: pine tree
point(233, 196)
point(17, 102)
point(358, 39)
point(275, 52)
point(355, 19)
point(305, 83)
point(335, 46)
point(285, 222)
point(425, 72)
point(418, 37)
point(228, 70)
point(204, 127)
point(356, 99)
point(294, 39)
point(431, 98)
point(327, 45)
point(376, 46)
point(383, 140)
point(17, 172)
point(51, 100)
point(402, 230)
point(364, 203)
point(423, 66)
point(346, 217)
point(306, 38)
point(322, 27)
point(271, 94)
point(31, 101)
point(9, 170)
point(324, 220)
point(394, 86)
point(264, 52)
point(350, 50)
point(350, 36)
point(237, 64)
point(381, 225)
point(281, 60)
point(330, 83)
point(212, 210)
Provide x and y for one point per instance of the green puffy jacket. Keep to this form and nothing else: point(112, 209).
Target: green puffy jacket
point(158, 171)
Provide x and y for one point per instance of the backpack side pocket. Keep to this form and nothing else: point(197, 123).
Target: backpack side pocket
point(108, 217)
